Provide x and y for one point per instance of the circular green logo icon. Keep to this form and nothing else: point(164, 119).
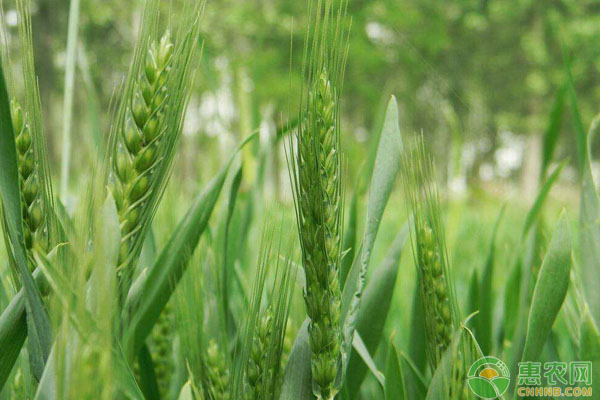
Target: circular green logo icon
point(488, 377)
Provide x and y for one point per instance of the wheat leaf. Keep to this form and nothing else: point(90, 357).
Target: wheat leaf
point(549, 292)
point(375, 307)
point(146, 300)
point(387, 166)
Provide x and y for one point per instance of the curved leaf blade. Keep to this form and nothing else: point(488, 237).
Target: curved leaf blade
point(589, 230)
point(375, 307)
point(297, 380)
point(394, 377)
point(387, 166)
point(550, 291)
point(151, 292)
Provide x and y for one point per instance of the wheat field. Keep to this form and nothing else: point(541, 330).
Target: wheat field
point(289, 260)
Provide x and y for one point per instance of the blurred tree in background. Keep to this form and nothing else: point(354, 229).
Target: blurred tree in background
point(470, 74)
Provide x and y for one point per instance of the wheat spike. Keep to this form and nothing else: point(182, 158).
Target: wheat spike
point(31, 199)
point(217, 372)
point(138, 152)
point(429, 249)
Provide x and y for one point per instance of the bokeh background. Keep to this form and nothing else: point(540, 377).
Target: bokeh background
point(484, 81)
point(479, 78)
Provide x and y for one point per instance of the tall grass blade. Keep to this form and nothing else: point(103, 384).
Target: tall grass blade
point(575, 113)
point(146, 301)
point(589, 230)
point(69, 90)
point(589, 344)
point(375, 307)
point(486, 295)
point(385, 171)
point(361, 350)
point(550, 291)
point(148, 382)
point(349, 242)
point(13, 332)
point(297, 380)
point(394, 376)
point(553, 129)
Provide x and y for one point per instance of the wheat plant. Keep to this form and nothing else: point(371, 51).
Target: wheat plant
point(316, 163)
point(109, 303)
point(430, 254)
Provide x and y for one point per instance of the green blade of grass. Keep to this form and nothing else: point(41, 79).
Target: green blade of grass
point(375, 307)
point(416, 386)
point(93, 107)
point(148, 382)
point(516, 306)
point(589, 345)
point(575, 114)
point(69, 89)
point(553, 129)
point(589, 225)
point(157, 288)
point(387, 166)
point(394, 377)
point(536, 208)
point(13, 329)
point(473, 300)
point(349, 244)
point(361, 349)
point(549, 292)
point(297, 380)
point(511, 302)
point(417, 330)
point(13, 332)
point(147, 299)
point(486, 293)
point(226, 278)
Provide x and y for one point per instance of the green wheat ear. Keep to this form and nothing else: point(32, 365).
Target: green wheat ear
point(139, 143)
point(31, 196)
point(429, 250)
point(258, 368)
point(315, 164)
point(217, 372)
point(319, 204)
